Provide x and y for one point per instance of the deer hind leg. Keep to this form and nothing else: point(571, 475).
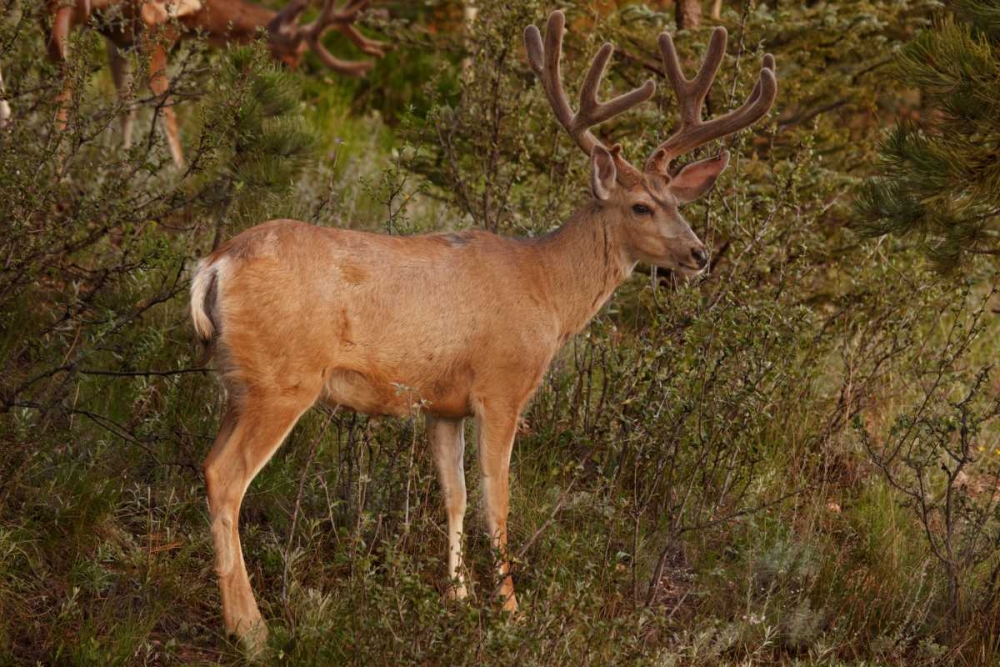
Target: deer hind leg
point(448, 445)
point(160, 85)
point(62, 23)
point(251, 432)
point(496, 440)
point(121, 71)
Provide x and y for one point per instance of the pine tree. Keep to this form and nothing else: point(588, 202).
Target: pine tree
point(262, 143)
point(939, 181)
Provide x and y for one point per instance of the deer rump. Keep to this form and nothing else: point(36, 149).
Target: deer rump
point(367, 346)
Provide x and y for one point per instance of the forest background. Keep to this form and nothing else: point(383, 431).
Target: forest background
point(794, 460)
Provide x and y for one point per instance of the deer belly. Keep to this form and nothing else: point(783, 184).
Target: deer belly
point(363, 393)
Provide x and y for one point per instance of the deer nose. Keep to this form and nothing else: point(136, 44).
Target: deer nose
point(700, 257)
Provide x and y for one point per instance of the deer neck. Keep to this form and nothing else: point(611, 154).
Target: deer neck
point(234, 20)
point(582, 263)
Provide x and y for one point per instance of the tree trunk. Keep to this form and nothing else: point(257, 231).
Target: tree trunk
point(688, 14)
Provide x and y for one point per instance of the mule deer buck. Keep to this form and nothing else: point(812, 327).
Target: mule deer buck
point(470, 321)
point(154, 25)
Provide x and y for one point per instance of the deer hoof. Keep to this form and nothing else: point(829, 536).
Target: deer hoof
point(253, 641)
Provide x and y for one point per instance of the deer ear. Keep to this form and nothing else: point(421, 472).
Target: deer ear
point(697, 178)
point(603, 172)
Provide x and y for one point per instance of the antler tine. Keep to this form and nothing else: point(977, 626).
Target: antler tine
point(330, 17)
point(288, 15)
point(593, 112)
point(370, 47)
point(691, 93)
point(544, 59)
point(767, 62)
point(356, 68)
point(692, 132)
point(343, 21)
point(588, 91)
point(324, 19)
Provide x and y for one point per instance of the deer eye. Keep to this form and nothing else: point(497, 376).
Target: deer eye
point(642, 209)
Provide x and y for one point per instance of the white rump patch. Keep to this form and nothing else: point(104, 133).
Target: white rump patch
point(5, 113)
point(200, 285)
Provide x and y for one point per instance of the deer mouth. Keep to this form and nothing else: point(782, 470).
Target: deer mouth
point(690, 270)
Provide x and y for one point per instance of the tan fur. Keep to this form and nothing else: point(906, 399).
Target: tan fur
point(159, 12)
point(455, 325)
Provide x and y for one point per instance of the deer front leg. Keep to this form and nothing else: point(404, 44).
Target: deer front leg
point(447, 442)
point(160, 85)
point(121, 71)
point(496, 440)
point(58, 45)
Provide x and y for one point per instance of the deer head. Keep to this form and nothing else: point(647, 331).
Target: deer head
point(644, 205)
point(289, 40)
